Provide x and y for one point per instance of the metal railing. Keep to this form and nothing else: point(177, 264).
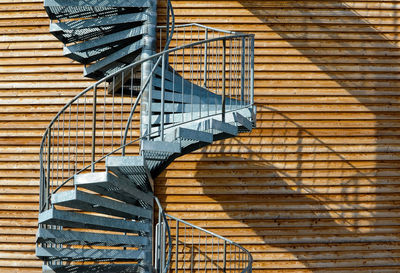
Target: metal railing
point(98, 122)
point(162, 254)
point(103, 120)
point(195, 249)
point(221, 62)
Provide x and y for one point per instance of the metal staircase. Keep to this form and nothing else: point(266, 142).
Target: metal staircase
point(101, 152)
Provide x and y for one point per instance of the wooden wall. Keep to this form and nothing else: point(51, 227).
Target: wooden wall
point(315, 188)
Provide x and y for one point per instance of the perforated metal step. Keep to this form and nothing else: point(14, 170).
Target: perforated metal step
point(105, 35)
point(116, 187)
point(77, 254)
point(94, 203)
point(81, 220)
point(95, 268)
point(132, 167)
point(68, 237)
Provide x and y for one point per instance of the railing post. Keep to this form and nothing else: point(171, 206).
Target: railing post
point(223, 78)
point(163, 243)
point(156, 247)
point(94, 127)
point(252, 71)
point(224, 263)
point(243, 68)
point(47, 188)
point(205, 60)
point(162, 96)
point(176, 247)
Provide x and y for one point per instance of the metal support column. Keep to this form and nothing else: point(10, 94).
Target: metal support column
point(149, 48)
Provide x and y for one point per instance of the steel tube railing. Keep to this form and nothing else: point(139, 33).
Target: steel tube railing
point(72, 113)
point(67, 151)
point(223, 255)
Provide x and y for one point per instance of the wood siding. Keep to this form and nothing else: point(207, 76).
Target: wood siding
point(315, 188)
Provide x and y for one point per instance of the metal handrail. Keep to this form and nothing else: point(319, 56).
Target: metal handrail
point(159, 57)
point(156, 59)
point(247, 269)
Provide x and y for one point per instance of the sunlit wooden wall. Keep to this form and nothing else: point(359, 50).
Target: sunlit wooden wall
point(315, 188)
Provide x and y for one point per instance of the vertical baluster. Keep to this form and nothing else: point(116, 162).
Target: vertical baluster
point(76, 136)
point(157, 247)
point(243, 67)
point(223, 78)
point(122, 107)
point(104, 119)
point(49, 180)
point(94, 128)
point(205, 255)
point(163, 243)
point(218, 255)
point(69, 142)
point(191, 73)
point(184, 252)
point(63, 147)
point(230, 258)
point(252, 71)
point(112, 113)
point(84, 133)
point(53, 156)
point(131, 105)
point(177, 246)
point(230, 74)
point(224, 259)
point(162, 96)
point(192, 253)
point(183, 86)
point(199, 253)
point(212, 254)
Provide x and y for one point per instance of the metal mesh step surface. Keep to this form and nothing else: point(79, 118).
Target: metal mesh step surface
point(94, 268)
point(119, 188)
point(78, 254)
point(86, 221)
point(68, 237)
point(94, 203)
point(107, 34)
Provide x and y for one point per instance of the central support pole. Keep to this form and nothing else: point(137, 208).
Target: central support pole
point(149, 49)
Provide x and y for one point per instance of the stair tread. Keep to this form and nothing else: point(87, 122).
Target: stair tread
point(243, 121)
point(97, 22)
point(184, 117)
point(160, 147)
point(88, 238)
point(95, 3)
point(80, 220)
point(94, 203)
point(73, 254)
point(107, 39)
point(91, 70)
point(98, 268)
point(112, 186)
point(196, 135)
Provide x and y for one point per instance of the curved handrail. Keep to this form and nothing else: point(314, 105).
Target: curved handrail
point(125, 69)
point(107, 81)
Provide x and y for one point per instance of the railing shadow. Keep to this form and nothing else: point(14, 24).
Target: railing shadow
point(303, 201)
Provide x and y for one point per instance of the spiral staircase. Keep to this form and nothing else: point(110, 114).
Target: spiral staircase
point(98, 160)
